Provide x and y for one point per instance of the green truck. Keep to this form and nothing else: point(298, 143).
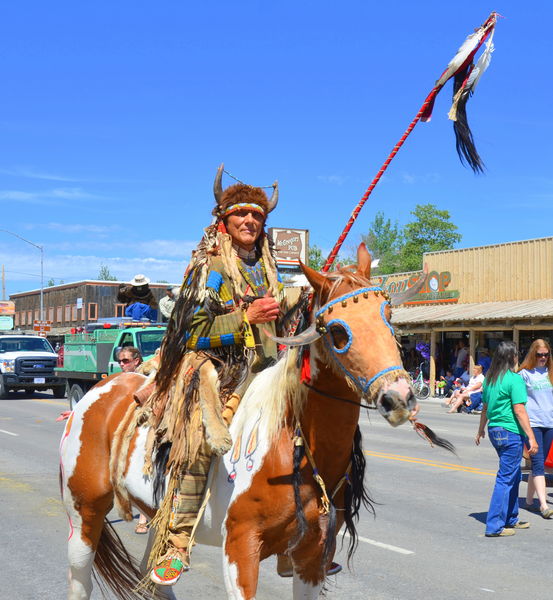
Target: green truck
point(88, 357)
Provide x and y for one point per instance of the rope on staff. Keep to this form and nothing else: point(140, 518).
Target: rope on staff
point(332, 256)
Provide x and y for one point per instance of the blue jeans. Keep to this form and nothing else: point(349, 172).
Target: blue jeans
point(544, 438)
point(475, 402)
point(503, 509)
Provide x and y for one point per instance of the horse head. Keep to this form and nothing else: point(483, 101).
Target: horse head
point(350, 321)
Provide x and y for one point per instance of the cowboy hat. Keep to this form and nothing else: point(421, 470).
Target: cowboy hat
point(139, 280)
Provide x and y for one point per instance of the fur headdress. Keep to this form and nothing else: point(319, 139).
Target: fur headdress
point(240, 196)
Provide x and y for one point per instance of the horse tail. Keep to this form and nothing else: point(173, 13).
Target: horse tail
point(356, 494)
point(115, 568)
point(162, 457)
point(299, 453)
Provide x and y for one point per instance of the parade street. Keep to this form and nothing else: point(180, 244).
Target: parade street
point(426, 541)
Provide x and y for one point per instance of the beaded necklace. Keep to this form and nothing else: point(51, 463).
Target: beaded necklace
point(255, 276)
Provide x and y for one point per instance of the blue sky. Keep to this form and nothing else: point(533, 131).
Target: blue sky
point(115, 116)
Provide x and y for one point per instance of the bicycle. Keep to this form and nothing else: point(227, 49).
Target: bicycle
point(420, 387)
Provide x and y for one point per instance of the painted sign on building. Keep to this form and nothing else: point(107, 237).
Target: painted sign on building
point(435, 291)
point(291, 246)
point(7, 307)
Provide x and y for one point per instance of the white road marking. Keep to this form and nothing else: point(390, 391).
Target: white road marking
point(382, 545)
point(9, 433)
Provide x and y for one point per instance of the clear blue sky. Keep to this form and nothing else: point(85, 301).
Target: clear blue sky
point(115, 115)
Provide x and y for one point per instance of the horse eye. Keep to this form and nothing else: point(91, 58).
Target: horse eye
point(339, 335)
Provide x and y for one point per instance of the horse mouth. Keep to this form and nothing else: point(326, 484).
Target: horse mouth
point(395, 409)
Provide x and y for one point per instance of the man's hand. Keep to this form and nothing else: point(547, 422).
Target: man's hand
point(263, 310)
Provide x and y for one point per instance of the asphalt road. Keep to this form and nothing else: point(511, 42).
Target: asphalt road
point(426, 541)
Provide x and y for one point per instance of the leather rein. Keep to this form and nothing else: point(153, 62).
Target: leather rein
point(321, 393)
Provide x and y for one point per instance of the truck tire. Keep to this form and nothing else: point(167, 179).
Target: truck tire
point(59, 391)
point(76, 392)
point(3, 390)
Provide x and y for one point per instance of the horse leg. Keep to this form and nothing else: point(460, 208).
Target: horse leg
point(241, 564)
point(302, 590)
point(86, 525)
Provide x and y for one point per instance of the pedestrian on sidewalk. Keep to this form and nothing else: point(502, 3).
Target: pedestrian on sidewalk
point(537, 371)
point(504, 398)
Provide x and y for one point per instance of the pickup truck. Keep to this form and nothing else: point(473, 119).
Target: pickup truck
point(88, 357)
point(27, 362)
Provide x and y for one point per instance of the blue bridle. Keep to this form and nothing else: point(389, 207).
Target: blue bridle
point(324, 328)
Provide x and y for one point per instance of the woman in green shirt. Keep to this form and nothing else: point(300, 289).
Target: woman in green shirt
point(504, 398)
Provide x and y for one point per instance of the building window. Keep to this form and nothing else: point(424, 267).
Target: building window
point(92, 311)
point(59, 314)
point(73, 312)
point(51, 314)
point(67, 313)
point(37, 315)
point(120, 310)
point(22, 318)
point(16, 319)
point(29, 317)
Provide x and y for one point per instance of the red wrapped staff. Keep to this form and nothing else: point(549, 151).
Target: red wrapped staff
point(466, 75)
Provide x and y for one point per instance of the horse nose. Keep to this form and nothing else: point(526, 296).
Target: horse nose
point(395, 408)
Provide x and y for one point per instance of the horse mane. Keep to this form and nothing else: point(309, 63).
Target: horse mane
point(271, 393)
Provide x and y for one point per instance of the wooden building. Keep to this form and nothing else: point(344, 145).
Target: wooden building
point(481, 295)
point(72, 305)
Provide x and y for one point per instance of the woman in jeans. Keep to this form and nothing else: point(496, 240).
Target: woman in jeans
point(504, 397)
point(537, 372)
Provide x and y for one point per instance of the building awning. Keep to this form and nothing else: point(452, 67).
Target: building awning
point(515, 310)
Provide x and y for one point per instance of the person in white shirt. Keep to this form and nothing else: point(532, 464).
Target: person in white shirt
point(468, 395)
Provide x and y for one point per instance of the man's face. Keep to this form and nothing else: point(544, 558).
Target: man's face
point(127, 363)
point(245, 227)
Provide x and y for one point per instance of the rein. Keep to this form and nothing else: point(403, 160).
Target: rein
point(321, 393)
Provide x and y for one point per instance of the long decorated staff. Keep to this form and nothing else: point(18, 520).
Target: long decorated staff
point(466, 75)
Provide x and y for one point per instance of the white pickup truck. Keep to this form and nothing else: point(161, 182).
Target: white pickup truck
point(27, 362)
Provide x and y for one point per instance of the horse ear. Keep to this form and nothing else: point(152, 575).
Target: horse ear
point(318, 281)
point(363, 261)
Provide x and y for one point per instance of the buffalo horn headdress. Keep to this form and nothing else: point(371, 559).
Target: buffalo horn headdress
point(240, 194)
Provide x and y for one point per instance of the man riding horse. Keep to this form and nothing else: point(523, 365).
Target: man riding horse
point(231, 295)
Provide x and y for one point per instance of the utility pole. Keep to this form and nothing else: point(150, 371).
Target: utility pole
point(3, 284)
point(41, 248)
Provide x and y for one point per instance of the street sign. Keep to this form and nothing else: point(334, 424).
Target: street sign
point(291, 246)
point(42, 326)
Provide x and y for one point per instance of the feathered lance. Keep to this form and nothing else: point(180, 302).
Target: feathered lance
point(466, 76)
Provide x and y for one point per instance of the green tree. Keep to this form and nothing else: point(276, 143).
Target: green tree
point(104, 274)
point(431, 231)
point(315, 258)
point(50, 283)
point(383, 242)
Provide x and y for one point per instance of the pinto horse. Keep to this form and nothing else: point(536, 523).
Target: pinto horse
point(295, 471)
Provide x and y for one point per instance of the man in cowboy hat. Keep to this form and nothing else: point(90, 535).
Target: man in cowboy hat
point(137, 290)
point(232, 293)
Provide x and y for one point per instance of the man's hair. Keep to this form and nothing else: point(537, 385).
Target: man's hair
point(134, 352)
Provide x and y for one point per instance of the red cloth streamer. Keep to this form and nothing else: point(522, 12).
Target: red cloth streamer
point(305, 375)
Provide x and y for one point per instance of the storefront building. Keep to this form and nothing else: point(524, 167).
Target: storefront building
point(476, 297)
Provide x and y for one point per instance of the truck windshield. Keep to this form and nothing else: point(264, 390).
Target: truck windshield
point(22, 344)
point(149, 341)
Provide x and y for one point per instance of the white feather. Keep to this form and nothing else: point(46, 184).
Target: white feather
point(482, 64)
